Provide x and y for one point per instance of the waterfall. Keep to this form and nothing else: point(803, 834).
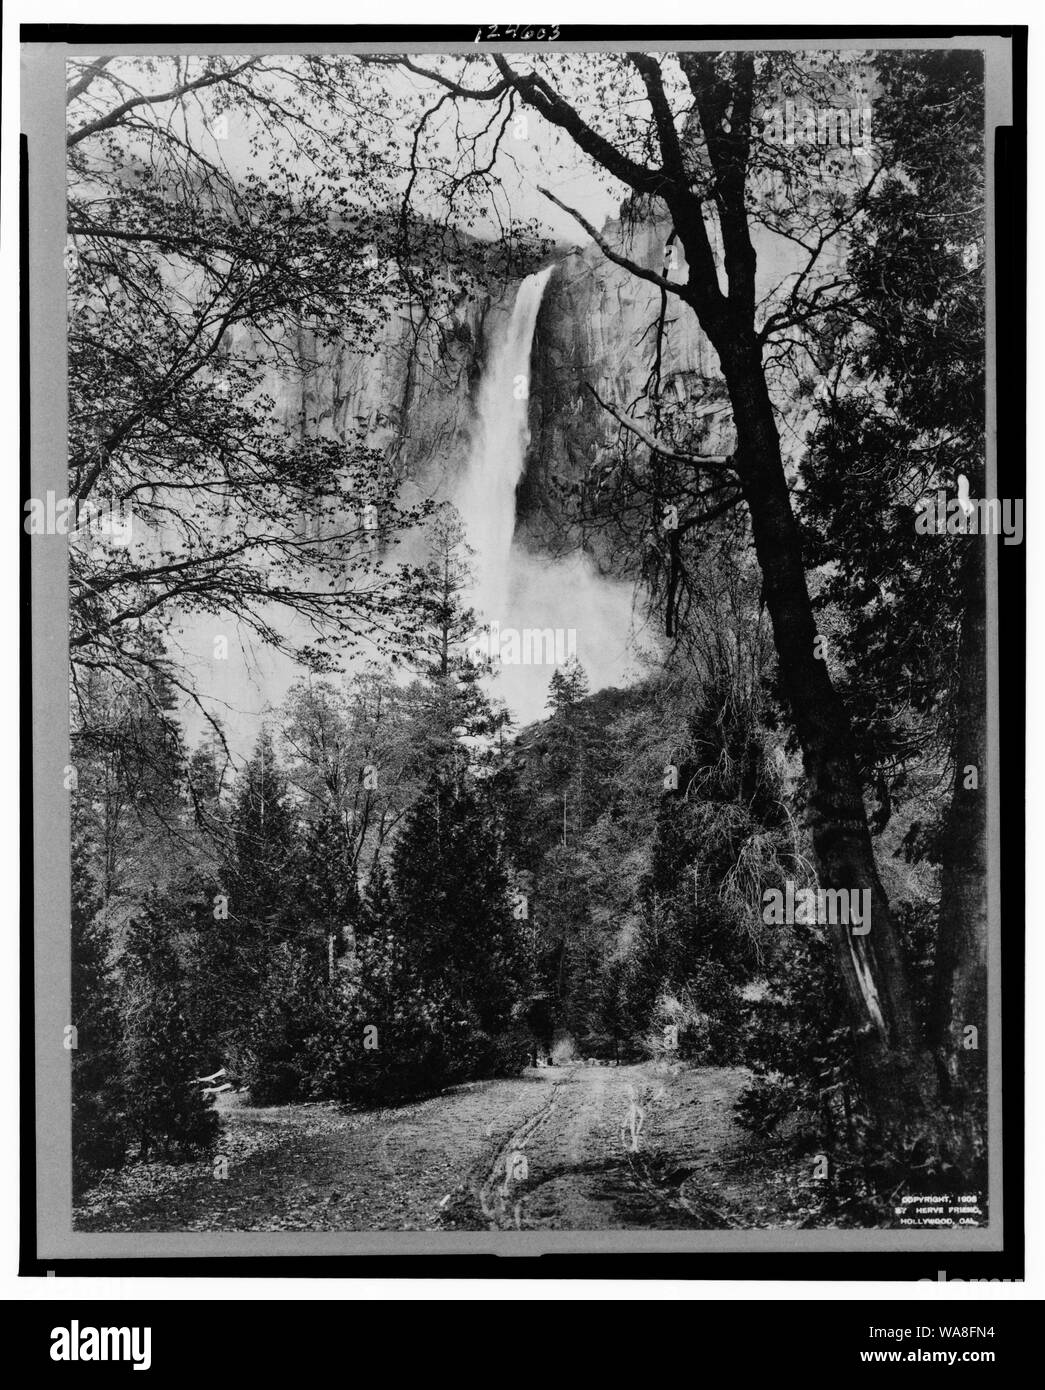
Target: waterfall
point(486, 493)
point(560, 605)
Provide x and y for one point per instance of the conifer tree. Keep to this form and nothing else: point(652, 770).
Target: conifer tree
point(452, 703)
point(258, 905)
point(99, 1124)
point(568, 686)
point(166, 1111)
point(376, 907)
point(260, 871)
point(297, 1044)
point(443, 973)
point(330, 897)
point(453, 907)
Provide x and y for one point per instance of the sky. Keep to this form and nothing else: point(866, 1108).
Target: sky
point(531, 154)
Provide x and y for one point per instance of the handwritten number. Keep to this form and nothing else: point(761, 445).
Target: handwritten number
point(512, 31)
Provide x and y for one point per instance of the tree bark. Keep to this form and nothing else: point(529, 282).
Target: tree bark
point(896, 1072)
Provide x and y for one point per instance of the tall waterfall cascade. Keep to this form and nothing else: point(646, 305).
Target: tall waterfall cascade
point(485, 495)
point(516, 590)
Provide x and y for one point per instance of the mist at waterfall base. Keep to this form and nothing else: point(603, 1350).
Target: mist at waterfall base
point(516, 590)
point(583, 609)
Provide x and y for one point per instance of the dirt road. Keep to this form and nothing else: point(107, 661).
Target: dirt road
point(617, 1148)
point(569, 1148)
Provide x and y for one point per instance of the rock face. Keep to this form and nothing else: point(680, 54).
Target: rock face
point(414, 393)
point(597, 328)
point(410, 392)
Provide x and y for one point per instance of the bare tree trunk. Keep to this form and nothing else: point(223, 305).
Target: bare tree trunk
point(896, 1072)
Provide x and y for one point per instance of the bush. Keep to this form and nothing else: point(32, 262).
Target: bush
point(707, 1015)
point(799, 1043)
point(414, 1054)
point(99, 1131)
point(507, 1053)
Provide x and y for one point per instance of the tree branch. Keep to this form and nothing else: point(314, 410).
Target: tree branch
point(85, 79)
point(117, 114)
point(539, 94)
point(676, 287)
point(665, 450)
point(667, 135)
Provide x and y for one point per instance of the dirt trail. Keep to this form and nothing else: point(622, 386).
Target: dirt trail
point(615, 1148)
point(570, 1148)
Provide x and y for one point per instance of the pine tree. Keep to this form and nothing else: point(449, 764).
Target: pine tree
point(911, 425)
point(453, 906)
point(131, 764)
point(450, 620)
point(451, 700)
point(257, 906)
point(206, 775)
point(297, 1044)
point(377, 905)
point(161, 1055)
point(330, 897)
point(99, 1123)
point(260, 870)
point(568, 686)
point(270, 993)
point(442, 974)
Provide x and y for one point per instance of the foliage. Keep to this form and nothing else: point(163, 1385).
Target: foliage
point(904, 416)
point(568, 686)
point(215, 244)
point(798, 1043)
point(601, 878)
point(456, 716)
point(165, 1110)
point(705, 1019)
point(99, 1122)
point(300, 1041)
point(444, 976)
